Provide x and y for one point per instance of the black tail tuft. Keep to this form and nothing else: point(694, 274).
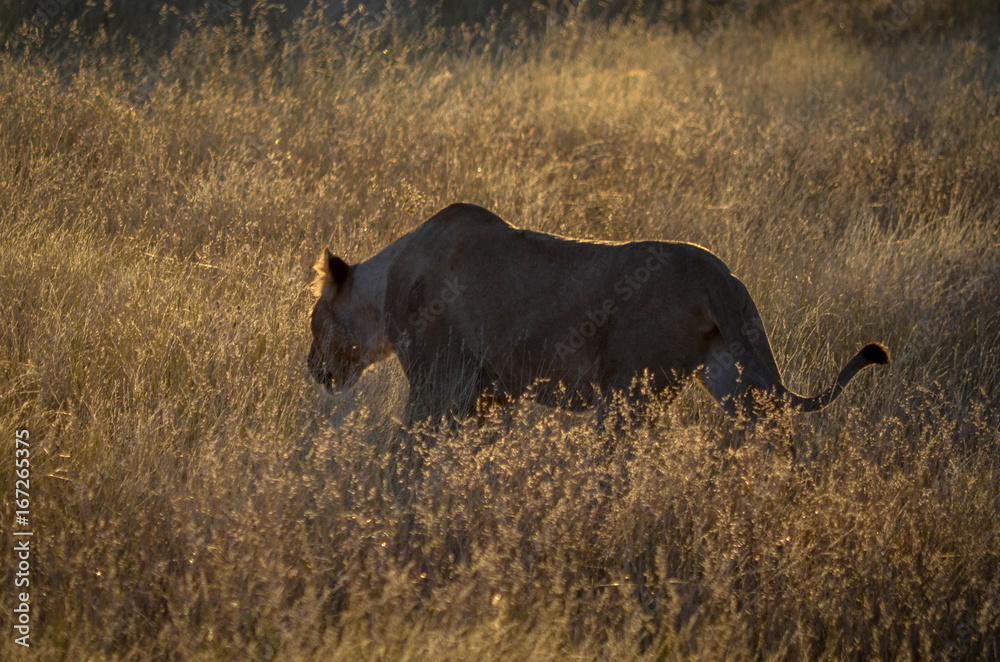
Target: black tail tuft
point(875, 353)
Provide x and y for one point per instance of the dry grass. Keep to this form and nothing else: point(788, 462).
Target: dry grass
point(196, 497)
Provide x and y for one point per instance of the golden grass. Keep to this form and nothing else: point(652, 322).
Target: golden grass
point(195, 496)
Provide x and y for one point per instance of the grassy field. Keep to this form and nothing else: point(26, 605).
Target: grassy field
point(194, 496)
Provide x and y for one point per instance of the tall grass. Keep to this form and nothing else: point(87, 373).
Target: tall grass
point(195, 496)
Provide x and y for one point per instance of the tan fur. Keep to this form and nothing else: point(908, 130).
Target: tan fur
point(480, 311)
point(322, 278)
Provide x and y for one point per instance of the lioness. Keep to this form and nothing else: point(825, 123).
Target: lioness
point(479, 311)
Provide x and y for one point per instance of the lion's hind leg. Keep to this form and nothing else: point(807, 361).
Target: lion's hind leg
point(720, 375)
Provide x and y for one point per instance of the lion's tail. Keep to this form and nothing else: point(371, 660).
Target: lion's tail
point(743, 332)
point(871, 354)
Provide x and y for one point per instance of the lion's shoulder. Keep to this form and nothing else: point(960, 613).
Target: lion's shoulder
point(467, 215)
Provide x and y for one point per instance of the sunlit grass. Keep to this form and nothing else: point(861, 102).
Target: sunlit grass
point(195, 495)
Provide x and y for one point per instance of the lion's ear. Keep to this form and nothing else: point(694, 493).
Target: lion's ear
point(339, 270)
point(332, 274)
